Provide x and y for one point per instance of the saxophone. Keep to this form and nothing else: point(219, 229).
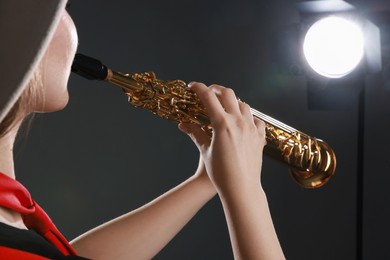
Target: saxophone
point(311, 161)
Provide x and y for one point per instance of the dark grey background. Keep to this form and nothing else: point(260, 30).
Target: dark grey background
point(100, 157)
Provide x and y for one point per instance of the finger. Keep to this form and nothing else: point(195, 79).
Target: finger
point(209, 99)
point(227, 97)
point(197, 135)
point(245, 110)
point(260, 125)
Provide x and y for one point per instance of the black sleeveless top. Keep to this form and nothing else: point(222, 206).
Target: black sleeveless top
point(30, 241)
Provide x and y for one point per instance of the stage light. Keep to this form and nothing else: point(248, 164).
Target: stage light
point(334, 46)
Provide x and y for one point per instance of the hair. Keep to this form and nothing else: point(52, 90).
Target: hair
point(24, 105)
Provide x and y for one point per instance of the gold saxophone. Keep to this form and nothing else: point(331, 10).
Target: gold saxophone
point(311, 161)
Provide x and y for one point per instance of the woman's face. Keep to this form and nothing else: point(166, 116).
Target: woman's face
point(55, 66)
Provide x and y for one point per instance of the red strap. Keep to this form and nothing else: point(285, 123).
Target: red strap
point(15, 196)
point(10, 253)
point(41, 222)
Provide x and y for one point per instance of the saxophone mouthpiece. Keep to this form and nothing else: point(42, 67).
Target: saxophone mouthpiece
point(89, 68)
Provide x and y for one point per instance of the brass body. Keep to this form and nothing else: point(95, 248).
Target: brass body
point(311, 161)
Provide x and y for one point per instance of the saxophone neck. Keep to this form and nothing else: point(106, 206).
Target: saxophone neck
point(125, 81)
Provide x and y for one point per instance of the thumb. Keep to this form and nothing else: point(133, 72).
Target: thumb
point(197, 135)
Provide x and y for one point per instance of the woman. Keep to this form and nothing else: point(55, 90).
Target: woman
point(230, 162)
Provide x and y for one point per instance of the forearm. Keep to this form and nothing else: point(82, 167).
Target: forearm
point(142, 233)
point(233, 158)
point(250, 224)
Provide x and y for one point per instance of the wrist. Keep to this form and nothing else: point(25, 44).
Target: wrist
point(241, 190)
point(204, 183)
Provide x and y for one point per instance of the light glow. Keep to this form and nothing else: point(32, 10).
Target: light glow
point(333, 46)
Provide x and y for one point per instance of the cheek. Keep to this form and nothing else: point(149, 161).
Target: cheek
point(56, 66)
point(54, 79)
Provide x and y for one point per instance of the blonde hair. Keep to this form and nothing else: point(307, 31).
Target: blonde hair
point(24, 104)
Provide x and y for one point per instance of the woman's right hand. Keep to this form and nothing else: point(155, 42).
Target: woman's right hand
point(233, 155)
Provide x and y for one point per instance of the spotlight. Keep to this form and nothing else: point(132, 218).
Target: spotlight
point(338, 48)
point(338, 39)
point(333, 46)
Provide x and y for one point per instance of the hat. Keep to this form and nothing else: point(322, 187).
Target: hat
point(26, 28)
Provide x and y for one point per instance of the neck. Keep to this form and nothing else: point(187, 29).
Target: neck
point(6, 152)
point(8, 216)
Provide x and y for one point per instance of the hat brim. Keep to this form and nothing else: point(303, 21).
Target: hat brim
point(26, 28)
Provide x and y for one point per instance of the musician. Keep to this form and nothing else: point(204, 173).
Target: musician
point(40, 43)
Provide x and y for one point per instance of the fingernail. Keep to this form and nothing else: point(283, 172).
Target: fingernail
point(184, 128)
point(191, 83)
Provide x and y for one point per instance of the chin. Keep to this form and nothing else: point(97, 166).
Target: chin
point(60, 105)
point(58, 108)
point(54, 104)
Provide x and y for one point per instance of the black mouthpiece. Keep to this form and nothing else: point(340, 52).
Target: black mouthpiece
point(88, 67)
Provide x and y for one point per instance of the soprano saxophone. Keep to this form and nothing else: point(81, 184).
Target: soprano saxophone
point(311, 161)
